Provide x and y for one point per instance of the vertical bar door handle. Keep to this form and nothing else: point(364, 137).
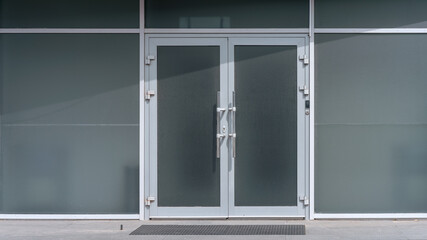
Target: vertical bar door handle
point(219, 135)
point(233, 142)
point(218, 144)
point(233, 135)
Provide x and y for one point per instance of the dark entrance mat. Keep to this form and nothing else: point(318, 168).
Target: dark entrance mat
point(220, 230)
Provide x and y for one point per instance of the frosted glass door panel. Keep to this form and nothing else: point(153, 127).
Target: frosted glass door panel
point(266, 125)
point(371, 123)
point(188, 78)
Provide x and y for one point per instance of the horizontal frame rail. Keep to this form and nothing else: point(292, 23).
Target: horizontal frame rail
point(369, 215)
point(214, 30)
point(69, 30)
point(370, 30)
point(70, 216)
point(227, 30)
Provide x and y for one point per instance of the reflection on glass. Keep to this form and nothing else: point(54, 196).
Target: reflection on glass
point(204, 22)
point(226, 14)
point(371, 14)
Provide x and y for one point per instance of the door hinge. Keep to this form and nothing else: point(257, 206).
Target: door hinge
point(305, 200)
point(148, 200)
point(305, 90)
point(149, 94)
point(148, 59)
point(305, 59)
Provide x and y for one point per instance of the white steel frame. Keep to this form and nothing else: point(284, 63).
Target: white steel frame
point(142, 31)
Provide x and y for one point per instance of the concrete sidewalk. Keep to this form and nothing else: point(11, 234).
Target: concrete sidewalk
point(320, 229)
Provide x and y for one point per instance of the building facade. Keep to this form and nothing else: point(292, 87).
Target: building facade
point(153, 109)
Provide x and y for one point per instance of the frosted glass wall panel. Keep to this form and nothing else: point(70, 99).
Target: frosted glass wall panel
point(69, 123)
point(69, 14)
point(371, 123)
point(371, 14)
point(70, 169)
point(226, 14)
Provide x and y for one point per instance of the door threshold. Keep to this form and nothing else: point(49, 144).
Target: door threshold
point(266, 218)
point(188, 218)
point(228, 218)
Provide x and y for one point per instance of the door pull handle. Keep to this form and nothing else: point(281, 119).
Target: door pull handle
point(219, 135)
point(233, 142)
point(233, 135)
point(218, 144)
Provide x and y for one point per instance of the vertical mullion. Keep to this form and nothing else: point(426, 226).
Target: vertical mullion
point(312, 112)
point(141, 112)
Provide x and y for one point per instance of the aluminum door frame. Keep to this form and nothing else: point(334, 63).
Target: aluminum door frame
point(298, 211)
point(151, 131)
point(226, 40)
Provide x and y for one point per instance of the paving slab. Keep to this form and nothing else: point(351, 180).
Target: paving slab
point(316, 230)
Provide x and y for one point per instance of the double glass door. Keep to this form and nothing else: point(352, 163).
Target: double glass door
point(225, 127)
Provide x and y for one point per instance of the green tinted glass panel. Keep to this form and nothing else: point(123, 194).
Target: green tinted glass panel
point(371, 14)
point(69, 123)
point(187, 83)
point(69, 14)
point(371, 123)
point(266, 126)
point(226, 14)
